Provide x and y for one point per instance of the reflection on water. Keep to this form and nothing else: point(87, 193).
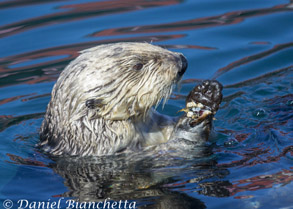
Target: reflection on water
point(219, 20)
point(144, 179)
point(247, 47)
point(77, 11)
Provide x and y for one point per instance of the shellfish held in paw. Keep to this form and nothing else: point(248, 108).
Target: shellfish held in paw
point(202, 104)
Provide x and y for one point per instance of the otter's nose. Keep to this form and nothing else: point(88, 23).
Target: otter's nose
point(183, 65)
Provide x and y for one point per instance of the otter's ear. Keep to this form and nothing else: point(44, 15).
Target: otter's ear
point(106, 111)
point(93, 103)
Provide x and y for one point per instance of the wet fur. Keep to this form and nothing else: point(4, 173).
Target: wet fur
point(122, 82)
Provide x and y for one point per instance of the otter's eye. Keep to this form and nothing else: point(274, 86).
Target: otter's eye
point(138, 66)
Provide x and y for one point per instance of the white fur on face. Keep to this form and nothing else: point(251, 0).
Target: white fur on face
point(120, 83)
point(127, 80)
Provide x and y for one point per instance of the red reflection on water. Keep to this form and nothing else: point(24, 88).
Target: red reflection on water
point(18, 3)
point(260, 42)
point(261, 78)
point(261, 182)
point(242, 136)
point(280, 99)
point(82, 11)
point(10, 120)
point(11, 99)
point(24, 161)
point(251, 58)
point(256, 155)
point(224, 19)
point(117, 5)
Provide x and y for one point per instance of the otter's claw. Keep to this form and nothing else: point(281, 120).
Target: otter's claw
point(208, 93)
point(203, 101)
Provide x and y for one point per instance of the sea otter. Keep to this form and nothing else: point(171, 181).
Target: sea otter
point(103, 101)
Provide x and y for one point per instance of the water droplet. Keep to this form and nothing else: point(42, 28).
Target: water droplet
point(255, 204)
point(260, 113)
point(290, 103)
point(231, 143)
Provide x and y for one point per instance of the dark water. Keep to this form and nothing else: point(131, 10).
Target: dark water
point(246, 45)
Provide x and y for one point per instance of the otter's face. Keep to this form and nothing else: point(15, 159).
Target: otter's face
point(120, 81)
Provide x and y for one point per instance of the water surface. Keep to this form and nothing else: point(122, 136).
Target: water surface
point(246, 45)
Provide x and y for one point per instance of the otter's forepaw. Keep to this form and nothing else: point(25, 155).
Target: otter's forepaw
point(203, 101)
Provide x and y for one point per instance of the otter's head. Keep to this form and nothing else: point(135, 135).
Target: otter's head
point(118, 81)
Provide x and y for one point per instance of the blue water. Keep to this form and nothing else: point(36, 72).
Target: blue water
point(246, 45)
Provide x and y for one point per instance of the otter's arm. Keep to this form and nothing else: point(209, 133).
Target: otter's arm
point(193, 126)
point(202, 104)
point(157, 129)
